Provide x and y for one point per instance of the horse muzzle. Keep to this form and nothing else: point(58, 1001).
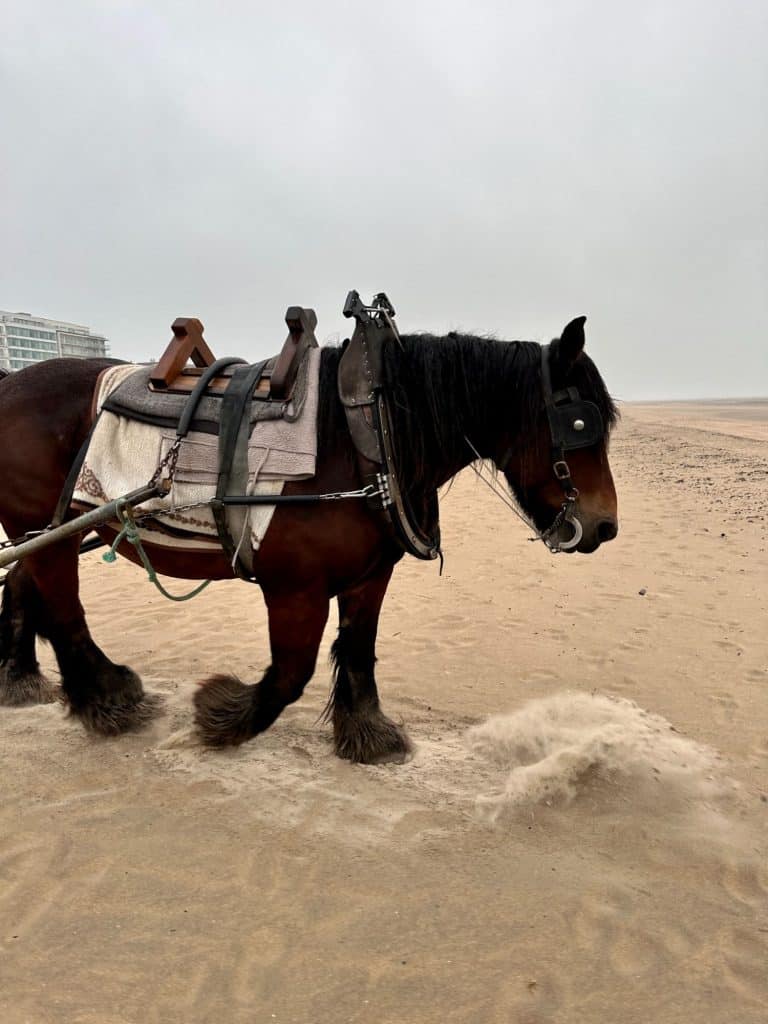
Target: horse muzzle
point(576, 533)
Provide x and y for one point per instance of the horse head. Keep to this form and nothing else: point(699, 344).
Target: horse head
point(559, 471)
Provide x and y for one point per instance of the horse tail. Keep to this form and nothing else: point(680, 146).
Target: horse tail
point(225, 711)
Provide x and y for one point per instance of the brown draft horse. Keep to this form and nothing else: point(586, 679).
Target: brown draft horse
point(447, 393)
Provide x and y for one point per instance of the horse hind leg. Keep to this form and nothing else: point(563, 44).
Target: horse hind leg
point(107, 698)
point(361, 731)
point(229, 712)
point(21, 681)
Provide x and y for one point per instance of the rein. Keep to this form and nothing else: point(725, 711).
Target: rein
point(565, 513)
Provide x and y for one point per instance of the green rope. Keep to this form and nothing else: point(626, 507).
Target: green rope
point(130, 533)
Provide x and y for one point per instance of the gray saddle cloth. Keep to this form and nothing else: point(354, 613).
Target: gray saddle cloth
point(134, 400)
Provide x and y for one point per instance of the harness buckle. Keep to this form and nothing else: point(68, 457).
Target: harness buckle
point(561, 469)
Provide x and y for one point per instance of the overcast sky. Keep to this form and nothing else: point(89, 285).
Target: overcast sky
point(495, 167)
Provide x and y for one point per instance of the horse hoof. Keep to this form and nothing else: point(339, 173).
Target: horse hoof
point(392, 757)
point(113, 719)
point(26, 688)
point(119, 703)
point(370, 739)
point(224, 711)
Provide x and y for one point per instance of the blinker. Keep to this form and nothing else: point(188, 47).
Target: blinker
point(574, 422)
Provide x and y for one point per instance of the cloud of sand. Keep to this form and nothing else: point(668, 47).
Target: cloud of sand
point(556, 749)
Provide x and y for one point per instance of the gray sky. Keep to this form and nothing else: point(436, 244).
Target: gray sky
point(495, 167)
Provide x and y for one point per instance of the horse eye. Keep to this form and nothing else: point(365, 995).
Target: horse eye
point(578, 424)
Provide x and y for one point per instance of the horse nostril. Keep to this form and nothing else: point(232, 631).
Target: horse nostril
point(607, 529)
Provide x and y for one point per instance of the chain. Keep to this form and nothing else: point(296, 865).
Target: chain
point(170, 511)
point(369, 491)
point(170, 459)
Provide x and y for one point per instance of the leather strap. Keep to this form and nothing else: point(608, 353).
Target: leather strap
point(234, 432)
point(560, 466)
point(65, 498)
point(185, 422)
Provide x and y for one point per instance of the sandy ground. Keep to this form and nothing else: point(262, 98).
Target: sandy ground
point(579, 859)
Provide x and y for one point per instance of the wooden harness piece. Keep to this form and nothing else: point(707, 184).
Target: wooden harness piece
point(271, 380)
point(173, 372)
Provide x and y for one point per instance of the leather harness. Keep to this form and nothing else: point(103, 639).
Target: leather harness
point(573, 423)
point(232, 521)
point(363, 394)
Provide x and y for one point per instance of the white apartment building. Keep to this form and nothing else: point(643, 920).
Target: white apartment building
point(26, 339)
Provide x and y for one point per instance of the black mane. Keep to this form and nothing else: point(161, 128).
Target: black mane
point(446, 389)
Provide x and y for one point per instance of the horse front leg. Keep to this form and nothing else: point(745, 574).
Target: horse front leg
point(107, 698)
point(229, 712)
point(361, 731)
point(21, 681)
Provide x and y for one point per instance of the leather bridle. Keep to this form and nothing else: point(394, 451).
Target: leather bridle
point(574, 423)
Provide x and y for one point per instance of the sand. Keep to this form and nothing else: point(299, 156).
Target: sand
point(581, 835)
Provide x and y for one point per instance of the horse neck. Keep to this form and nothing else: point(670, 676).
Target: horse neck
point(461, 392)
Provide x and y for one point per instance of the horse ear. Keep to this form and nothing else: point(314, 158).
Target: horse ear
point(571, 342)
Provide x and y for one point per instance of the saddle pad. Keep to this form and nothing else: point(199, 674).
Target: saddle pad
point(123, 454)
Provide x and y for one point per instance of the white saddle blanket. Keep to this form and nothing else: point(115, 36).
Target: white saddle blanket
point(123, 455)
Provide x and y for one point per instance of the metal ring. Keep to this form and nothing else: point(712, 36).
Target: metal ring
point(578, 533)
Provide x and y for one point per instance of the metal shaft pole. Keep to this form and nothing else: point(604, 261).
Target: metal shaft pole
point(83, 523)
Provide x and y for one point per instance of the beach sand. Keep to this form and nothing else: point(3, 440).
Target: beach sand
point(580, 836)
